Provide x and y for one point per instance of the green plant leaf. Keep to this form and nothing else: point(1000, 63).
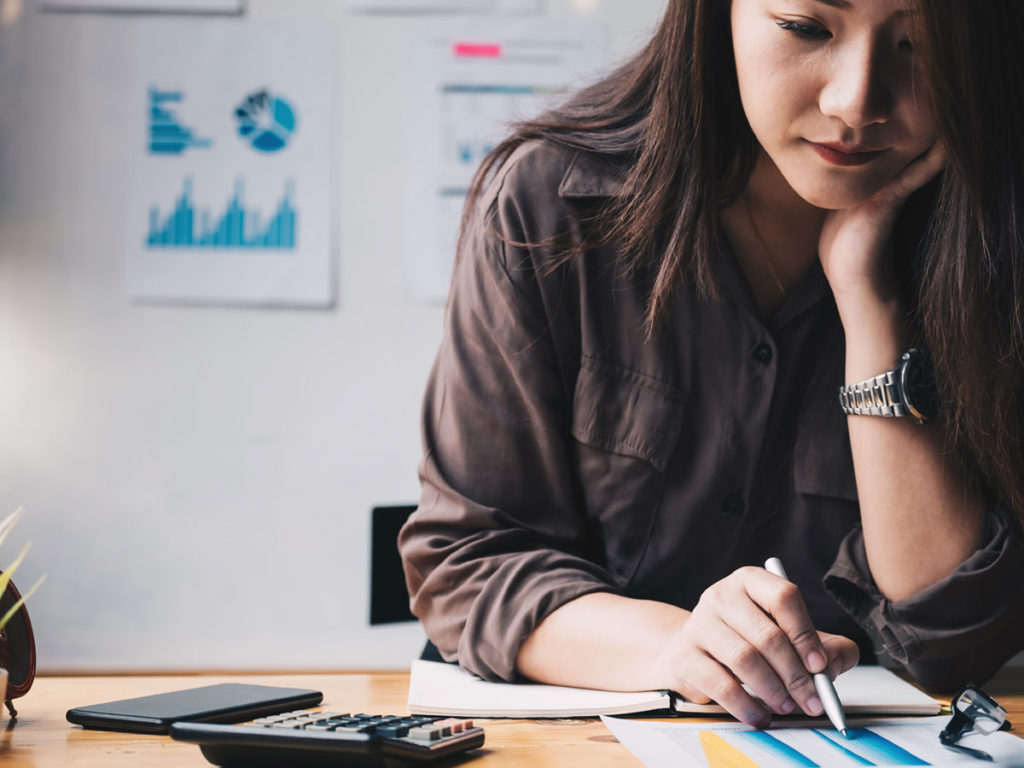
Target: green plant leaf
point(5, 577)
point(21, 601)
point(9, 522)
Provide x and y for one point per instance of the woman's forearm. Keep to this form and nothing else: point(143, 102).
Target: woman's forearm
point(603, 641)
point(749, 644)
point(921, 515)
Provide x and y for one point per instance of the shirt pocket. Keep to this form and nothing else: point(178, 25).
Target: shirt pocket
point(626, 426)
point(822, 459)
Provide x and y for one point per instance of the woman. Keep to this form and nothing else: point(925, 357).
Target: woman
point(662, 286)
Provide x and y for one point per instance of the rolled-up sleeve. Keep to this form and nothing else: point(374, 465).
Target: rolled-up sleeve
point(963, 628)
point(499, 539)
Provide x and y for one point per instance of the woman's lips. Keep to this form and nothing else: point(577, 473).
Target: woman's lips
point(838, 154)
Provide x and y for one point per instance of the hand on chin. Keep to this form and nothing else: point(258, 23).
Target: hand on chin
point(854, 240)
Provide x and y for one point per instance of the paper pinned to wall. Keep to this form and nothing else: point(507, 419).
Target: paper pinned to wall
point(470, 80)
point(445, 6)
point(232, 195)
point(145, 6)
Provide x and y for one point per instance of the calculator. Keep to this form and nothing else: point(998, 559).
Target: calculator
point(307, 738)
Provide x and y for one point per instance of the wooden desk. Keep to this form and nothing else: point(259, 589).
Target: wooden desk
point(42, 738)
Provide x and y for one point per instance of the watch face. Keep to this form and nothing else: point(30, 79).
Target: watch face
point(920, 392)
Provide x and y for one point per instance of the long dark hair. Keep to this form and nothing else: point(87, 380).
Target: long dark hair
point(672, 117)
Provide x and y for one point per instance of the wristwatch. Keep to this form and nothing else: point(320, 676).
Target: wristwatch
point(908, 390)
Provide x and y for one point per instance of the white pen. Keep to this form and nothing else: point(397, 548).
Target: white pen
point(822, 682)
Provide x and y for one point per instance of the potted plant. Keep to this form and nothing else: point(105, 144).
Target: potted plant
point(5, 582)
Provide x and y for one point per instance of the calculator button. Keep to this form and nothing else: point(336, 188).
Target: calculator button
point(425, 733)
point(369, 737)
point(449, 726)
point(356, 728)
point(392, 731)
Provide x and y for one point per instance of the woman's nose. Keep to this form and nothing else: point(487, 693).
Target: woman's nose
point(857, 90)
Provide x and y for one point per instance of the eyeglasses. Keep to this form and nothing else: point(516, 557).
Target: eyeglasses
point(973, 710)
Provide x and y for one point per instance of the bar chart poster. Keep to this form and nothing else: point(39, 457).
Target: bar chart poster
point(882, 742)
point(445, 6)
point(471, 80)
point(231, 194)
point(206, 7)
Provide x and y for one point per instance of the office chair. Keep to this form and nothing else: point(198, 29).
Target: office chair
point(389, 598)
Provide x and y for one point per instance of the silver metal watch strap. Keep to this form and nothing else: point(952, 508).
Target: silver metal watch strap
point(877, 396)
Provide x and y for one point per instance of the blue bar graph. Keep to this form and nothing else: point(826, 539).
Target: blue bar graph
point(872, 747)
point(236, 227)
point(840, 742)
point(862, 747)
point(780, 750)
point(166, 135)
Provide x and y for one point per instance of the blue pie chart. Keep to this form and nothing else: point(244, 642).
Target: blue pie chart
point(265, 121)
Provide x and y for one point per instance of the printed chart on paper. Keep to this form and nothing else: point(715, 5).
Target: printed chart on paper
point(888, 742)
point(471, 80)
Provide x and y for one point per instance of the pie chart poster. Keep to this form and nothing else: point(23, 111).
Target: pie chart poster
point(231, 158)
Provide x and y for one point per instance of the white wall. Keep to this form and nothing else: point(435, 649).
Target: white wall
point(198, 481)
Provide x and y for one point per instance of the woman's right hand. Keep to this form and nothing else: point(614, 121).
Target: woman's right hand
point(752, 628)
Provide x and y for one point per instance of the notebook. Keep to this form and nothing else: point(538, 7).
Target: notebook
point(442, 689)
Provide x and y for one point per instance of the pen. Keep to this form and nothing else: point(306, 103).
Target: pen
point(822, 682)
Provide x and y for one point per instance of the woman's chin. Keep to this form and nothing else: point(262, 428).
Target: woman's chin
point(833, 197)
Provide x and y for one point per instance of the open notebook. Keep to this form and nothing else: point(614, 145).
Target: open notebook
point(446, 689)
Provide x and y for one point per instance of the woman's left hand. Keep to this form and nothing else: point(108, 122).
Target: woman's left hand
point(854, 240)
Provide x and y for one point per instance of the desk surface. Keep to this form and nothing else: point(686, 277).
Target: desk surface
point(42, 737)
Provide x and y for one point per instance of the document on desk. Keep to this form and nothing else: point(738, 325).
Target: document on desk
point(879, 742)
point(446, 689)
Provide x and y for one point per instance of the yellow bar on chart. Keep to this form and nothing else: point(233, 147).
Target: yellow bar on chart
point(721, 754)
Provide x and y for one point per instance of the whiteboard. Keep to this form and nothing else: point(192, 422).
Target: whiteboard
point(198, 480)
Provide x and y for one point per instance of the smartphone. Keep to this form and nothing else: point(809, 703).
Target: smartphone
point(224, 703)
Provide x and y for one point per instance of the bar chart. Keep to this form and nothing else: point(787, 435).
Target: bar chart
point(167, 136)
point(237, 227)
point(804, 748)
point(883, 742)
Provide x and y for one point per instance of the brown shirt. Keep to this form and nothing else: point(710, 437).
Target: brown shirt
point(565, 454)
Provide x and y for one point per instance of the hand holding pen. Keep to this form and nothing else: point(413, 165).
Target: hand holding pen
point(750, 645)
point(822, 682)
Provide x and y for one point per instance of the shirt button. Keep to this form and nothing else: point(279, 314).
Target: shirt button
point(763, 353)
point(733, 505)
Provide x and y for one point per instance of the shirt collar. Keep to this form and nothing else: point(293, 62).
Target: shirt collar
point(590, 175)
point(807, 293)
point(594, 176)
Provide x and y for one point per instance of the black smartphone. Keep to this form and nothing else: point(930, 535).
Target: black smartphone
point(224, 703)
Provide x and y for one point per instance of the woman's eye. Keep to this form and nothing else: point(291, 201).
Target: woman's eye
point(803, 29)
point(906, 45)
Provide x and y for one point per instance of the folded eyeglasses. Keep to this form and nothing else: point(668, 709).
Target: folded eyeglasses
point(973, 710)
